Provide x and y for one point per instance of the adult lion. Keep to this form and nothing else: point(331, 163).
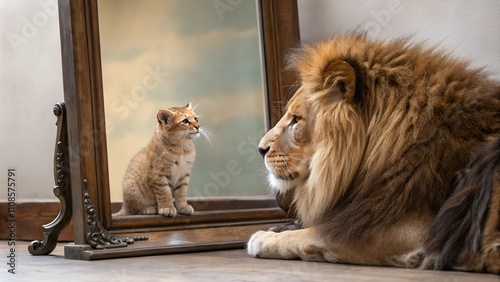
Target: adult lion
point(391, 156)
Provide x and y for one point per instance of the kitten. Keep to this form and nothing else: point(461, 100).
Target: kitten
point(160, 172)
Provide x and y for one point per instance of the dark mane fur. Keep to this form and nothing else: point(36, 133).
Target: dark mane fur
point(455, 236)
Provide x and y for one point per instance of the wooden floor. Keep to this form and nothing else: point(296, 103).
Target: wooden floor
point(231, 265)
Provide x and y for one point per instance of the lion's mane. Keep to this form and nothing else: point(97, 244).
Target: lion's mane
point(390, 151)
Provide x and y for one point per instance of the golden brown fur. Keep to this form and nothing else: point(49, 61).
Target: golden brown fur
point(369, 145)
point(160, 172)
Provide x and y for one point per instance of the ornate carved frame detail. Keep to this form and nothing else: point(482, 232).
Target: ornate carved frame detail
point(98, 237)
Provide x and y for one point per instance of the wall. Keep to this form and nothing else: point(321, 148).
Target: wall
point(30, 85)
point(31, 78)
point(466, 28)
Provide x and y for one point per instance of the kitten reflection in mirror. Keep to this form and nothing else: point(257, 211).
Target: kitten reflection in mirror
point(157, 178)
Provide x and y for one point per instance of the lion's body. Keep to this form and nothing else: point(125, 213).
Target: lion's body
point(369, 145)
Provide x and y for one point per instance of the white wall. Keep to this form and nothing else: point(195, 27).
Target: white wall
point(30, 85)
point(468, 28)
point(31, 78)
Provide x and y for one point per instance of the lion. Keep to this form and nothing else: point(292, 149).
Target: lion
point(388, 154)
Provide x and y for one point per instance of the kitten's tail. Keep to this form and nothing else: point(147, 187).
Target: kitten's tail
point(120, 213)
point(123, 211)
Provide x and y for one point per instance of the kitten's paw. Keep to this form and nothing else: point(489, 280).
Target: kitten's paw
point(187, 209)
point(168, 211)
point(149, 210)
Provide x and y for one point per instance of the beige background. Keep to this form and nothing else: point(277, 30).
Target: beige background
point(31, 80)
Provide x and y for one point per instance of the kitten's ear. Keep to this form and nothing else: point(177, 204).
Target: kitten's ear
point(189, 107)
point(164, 116)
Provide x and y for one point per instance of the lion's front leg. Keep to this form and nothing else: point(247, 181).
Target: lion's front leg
point(293, 244)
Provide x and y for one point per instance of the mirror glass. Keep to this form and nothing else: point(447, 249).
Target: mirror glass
point(165, 53)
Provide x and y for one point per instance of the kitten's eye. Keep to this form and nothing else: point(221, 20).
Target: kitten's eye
point(295, 119)
point(185, 121)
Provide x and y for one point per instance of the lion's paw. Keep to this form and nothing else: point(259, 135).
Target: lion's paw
point(290, 244)
point(410, 260)
point(265, 244)
point(255, 244)
point(272, 245)
point(284, 227)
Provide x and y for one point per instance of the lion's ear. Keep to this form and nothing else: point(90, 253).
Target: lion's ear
point(341, 76)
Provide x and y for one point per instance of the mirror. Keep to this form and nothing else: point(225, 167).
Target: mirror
point(212, 59)
point(221, 220)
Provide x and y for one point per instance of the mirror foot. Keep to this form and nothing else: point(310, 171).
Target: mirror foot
point(62, 189)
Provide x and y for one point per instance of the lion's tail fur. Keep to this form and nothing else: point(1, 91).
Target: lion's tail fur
point(466, 232)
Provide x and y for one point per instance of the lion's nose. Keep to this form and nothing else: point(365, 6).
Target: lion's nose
point(263, 151)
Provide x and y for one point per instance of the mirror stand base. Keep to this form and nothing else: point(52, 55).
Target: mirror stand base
point(78, 252)
point(97, 236)
point(175, 242)
point(62, 190)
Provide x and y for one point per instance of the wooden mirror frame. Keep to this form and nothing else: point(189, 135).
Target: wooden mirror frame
point(81, 163)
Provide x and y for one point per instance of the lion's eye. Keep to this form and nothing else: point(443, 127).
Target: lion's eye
point(295, 119)
point(186, 121)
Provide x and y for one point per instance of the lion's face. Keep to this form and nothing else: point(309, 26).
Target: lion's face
point(315, 150)
point(286, 147)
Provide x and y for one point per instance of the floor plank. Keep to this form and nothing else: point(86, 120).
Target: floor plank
point(232, 265)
